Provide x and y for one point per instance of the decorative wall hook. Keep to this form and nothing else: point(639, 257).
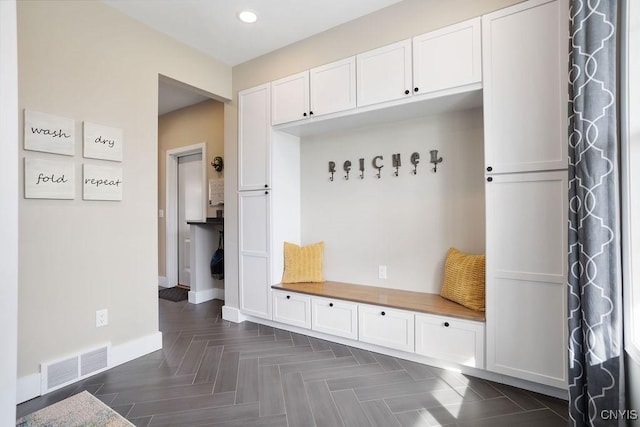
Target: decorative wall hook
point(347, 167)
point(395, 159)
point(375, 165)
point(361, 168)
point(218, 164)
point(415, 159)
point(332, 170)
point(435, 160)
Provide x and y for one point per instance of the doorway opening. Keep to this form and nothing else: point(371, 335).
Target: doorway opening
point(189, 162)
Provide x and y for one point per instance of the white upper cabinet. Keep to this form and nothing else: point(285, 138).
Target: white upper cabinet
point(447, 58)
point(525, 64)
point(290, 98)
point(322, 90)
point(384, 74)
point(254, 138)
point(333, 87)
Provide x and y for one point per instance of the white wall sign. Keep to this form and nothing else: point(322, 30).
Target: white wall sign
point(49, 179)
point(49, 133)
point(102, 183)
point(102, 142)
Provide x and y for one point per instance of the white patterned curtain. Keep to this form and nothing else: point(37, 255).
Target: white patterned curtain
point(596, 351)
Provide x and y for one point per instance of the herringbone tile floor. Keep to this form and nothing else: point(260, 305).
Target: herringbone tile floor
point(214, 373)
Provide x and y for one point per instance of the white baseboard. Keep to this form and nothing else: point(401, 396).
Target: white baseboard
point(163, 281)
point(206, 295)
point(232, 314)
point(130, 350)
point(29, 386)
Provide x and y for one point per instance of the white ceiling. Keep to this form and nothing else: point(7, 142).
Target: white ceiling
point(212, 27)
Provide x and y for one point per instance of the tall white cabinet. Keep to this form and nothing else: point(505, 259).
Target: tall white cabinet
point(525, 58)
point(268, 200)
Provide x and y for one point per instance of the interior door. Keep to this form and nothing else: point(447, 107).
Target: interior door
point(189, 208)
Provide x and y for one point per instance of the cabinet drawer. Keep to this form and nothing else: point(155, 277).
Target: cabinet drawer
point(450, 339)
point(335, 317)
point(386, 327)
point(291, 308)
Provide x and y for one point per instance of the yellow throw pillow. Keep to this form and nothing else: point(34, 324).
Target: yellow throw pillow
point(303, 263)
point(464, 279)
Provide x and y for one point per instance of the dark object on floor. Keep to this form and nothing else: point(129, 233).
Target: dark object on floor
point(174, 294)
point(217, 261)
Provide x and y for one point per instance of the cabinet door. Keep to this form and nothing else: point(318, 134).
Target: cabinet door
point(335, 317)
point(254, 138)
point(450, 339)
point(386, 327)
point(384, 74)
point(333, 87)
point(526, 276)
point(254, 243)
point(447, 58)
point(525, 61)
point(292, 308)
point(290, 98)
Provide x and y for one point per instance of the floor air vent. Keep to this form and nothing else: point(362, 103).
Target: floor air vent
point(93, 361)
point(62, 372)
point(57, 374)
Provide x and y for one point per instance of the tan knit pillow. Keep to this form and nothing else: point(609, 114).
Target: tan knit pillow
point(303, 263)
point(464, 279)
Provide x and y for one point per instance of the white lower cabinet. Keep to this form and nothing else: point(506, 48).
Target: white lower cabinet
point(335, 317)
point(292, 308)
point(440, 337)
point(386, 327)
point(450, 339)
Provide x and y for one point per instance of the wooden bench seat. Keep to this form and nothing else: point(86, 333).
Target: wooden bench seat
point(393, 298)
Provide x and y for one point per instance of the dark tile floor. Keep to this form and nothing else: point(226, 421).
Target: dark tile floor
point(214, 373)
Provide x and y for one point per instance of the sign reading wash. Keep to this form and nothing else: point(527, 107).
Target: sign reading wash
point(49, 133)
point(102, 183)
point(49, 179)
point(102, 142)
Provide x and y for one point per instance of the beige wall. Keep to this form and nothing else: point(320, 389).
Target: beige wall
point(86, 61)
point(397, 22)
point(203, 122)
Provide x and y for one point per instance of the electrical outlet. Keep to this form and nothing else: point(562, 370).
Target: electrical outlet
point(382, 271)
point(102, 318)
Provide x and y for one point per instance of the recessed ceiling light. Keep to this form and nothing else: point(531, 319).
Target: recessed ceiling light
point(248, 16)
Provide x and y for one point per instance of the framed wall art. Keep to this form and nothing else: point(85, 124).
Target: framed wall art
point(102, 142)
point(49, 179)
point(49, 133)
point(102, 182)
